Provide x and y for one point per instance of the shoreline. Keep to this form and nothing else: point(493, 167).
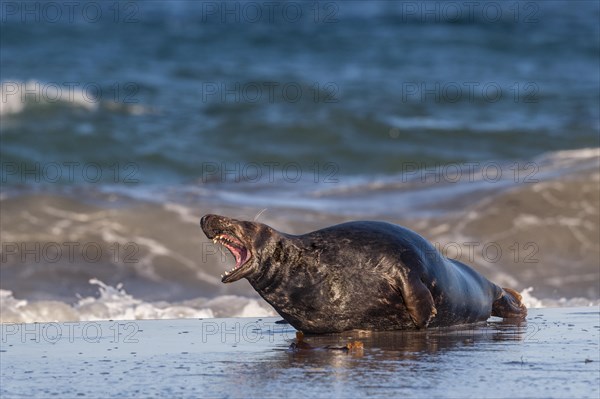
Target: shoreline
point(555, 353)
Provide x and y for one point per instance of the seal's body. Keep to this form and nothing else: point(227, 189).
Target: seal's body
point(358, 275)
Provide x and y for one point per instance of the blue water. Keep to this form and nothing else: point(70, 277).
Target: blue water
point(171, 86)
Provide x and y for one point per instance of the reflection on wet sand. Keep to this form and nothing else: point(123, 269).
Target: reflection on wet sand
point(399, 345)
point(397, 362)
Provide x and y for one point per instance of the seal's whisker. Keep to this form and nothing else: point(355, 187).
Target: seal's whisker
point(259, 214)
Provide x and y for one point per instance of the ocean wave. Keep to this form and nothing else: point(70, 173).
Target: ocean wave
point(114, 303)
point(532, 302)
point(17, 96)
point(518, 233)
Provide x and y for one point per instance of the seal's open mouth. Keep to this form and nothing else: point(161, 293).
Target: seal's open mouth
point(239, 251)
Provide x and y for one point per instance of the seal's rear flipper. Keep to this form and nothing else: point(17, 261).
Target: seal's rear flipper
point(509, 305)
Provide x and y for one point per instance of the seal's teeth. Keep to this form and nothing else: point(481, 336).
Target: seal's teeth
point(221, 276)
point(226, 273)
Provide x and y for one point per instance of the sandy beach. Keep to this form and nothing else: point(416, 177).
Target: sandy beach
point(554, 354)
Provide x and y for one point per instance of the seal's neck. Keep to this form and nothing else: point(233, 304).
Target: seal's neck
point(278, 259)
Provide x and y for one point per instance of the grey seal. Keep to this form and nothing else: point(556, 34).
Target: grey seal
point(358, 275)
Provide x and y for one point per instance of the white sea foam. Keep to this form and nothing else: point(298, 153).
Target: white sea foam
point(582, 153)
point(16, 96)
point(532, 302)
point(114, 303)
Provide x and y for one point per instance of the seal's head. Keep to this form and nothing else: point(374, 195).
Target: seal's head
point(245, 241)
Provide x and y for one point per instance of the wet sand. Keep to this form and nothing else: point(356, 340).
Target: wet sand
point(555, 353)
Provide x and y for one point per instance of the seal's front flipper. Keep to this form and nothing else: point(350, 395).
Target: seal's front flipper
point(509, 305)
point(418, 300)
point(417, 297)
